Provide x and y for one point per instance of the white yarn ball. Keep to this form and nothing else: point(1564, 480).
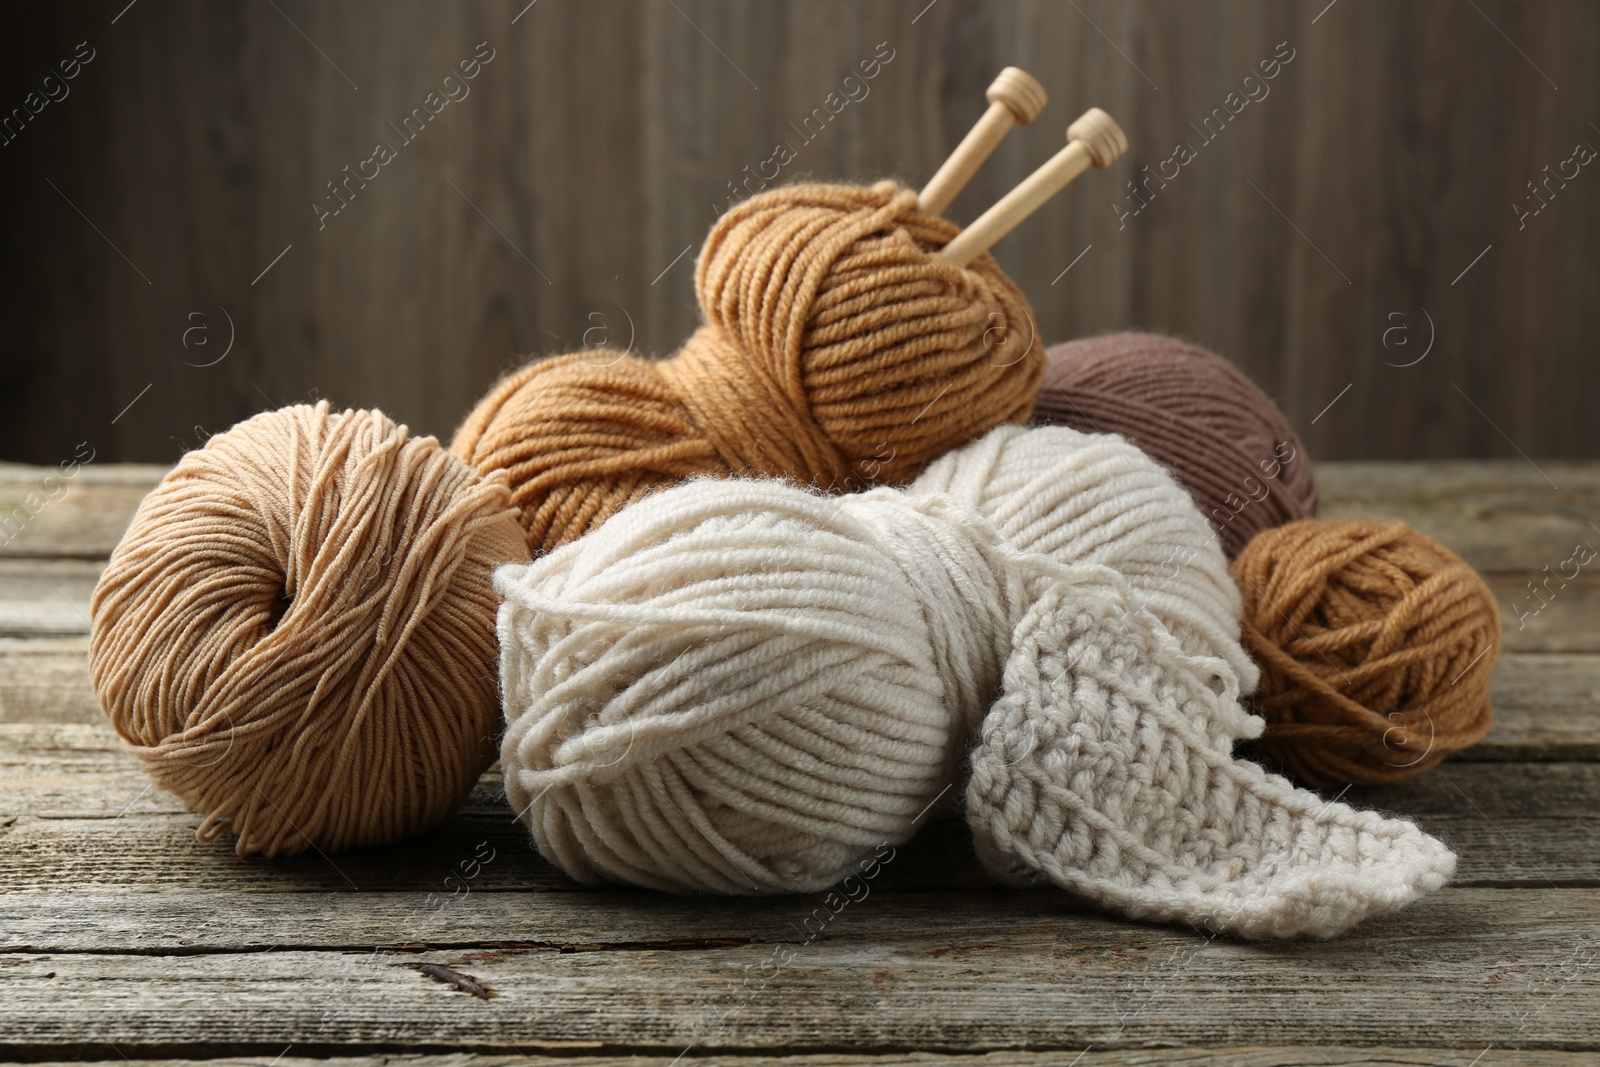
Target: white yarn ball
point(738, 689)
point(1095, 498)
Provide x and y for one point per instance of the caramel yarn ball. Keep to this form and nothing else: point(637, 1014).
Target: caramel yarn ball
point(1375, 643)
point(1196, 414)
point(835, 350)
point(297, 632)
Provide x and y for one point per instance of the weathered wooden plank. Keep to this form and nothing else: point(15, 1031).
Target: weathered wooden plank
point(46, 681)
point(84, 814)
point(46, 597)
point(1237, 1055)
point(43, 514)
point(195, 921)
point(63, 784)
point(136, 851)
point(140, 850)
point(1464, 480)
point(1501, 515)
point(1541, 613)
point(50, 598)
point(973, 972)
point(83, 771)
point(1547, 707)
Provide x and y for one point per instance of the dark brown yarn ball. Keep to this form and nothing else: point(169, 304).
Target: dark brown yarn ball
point(1194, 413)
point(1376, 644)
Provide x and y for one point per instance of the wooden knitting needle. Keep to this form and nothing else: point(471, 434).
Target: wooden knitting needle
point(1094, 140)
point(1015, 97)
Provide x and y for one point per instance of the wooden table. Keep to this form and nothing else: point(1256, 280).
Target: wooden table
point(121, 936)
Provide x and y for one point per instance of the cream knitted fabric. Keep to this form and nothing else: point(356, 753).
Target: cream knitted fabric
point(744, 687)
point(1106, 769)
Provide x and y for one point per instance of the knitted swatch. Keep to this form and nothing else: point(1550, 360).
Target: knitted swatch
point(743, 687)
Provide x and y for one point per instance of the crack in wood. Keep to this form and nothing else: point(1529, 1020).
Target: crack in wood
point(466, 983)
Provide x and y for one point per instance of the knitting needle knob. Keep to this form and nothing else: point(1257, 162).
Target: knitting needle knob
point(1094, 140)
point(1100, 136)
point(1015, 98)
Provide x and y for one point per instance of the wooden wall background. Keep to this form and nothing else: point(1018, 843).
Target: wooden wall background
point(542, 212)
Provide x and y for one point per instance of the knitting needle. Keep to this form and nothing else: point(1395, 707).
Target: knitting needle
point(1094, 139)
point(1015, 97)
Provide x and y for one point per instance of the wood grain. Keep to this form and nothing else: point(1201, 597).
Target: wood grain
point(1546, 707)
point(963, 973)
point(601, 141)
point(1502, 517)
point(137, 850)
point(46, 681)
point(1499, 517)
point(82, 813)
point(193, 922)
point(1237, 1055)
point(83, 518)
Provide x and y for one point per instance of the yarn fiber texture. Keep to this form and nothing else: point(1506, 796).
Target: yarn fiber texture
point(1376, 645)
point(1197, 415)
point(744, 687)
point(835, 350)
point(296, 633)
point(1095, 498)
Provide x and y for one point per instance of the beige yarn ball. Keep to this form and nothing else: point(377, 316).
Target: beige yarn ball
point(296, 633)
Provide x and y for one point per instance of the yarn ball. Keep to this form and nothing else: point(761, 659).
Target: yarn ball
point(296, 632)
point(835, 350)
point(1197, 414)
point(747, 655)
point(1095, 498)
point(741, 686)
point(1376, 645)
